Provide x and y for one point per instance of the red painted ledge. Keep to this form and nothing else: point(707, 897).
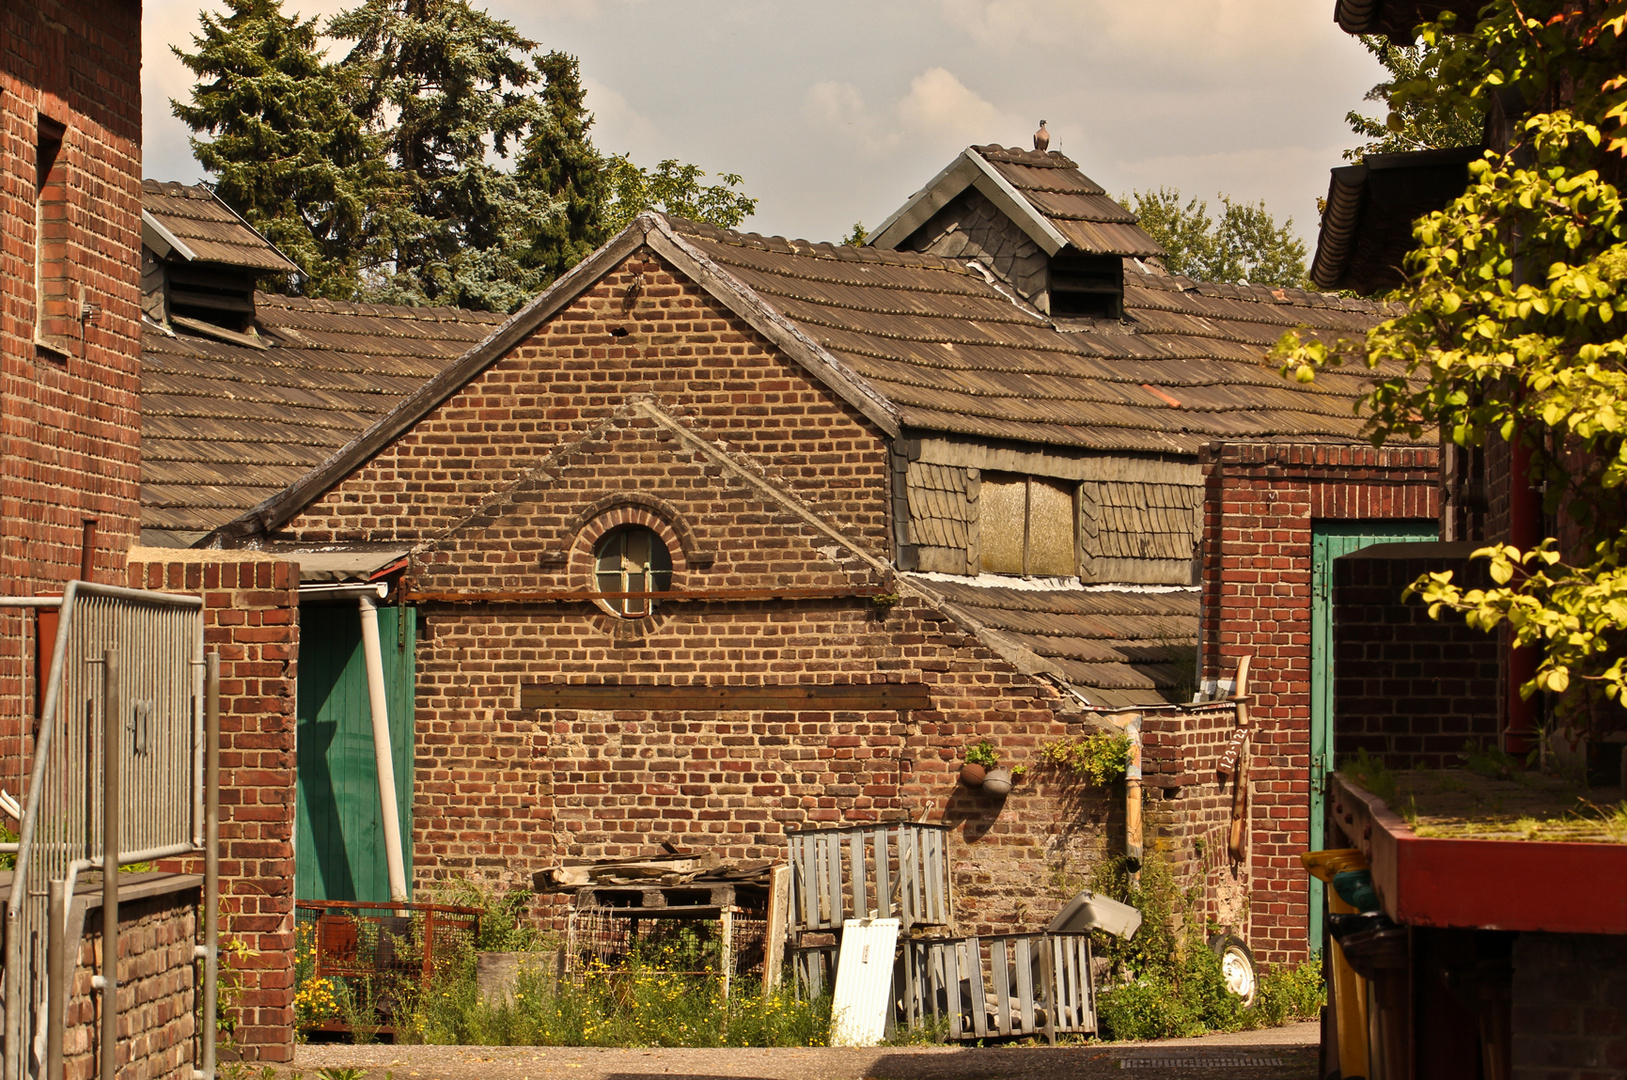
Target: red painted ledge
point(1560, 888)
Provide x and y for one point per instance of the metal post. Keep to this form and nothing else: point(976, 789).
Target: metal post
point(57, 980)
point(211, 857)
point(389, 816)
point(113, 711)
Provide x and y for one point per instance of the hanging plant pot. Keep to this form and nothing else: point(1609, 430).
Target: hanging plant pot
point(972, 774)
point(997, 782)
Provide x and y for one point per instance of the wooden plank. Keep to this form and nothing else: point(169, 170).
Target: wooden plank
point(774, 933)
point(833, 881)
point(1087, 987)
point(1047, 976)
point(884, 895)
point(951, 982)
point(936, 864)
point(1000, 971)
point(1025, 983)
point(855, 851)
point(862, 697)
point(912, 902)
point(974, 975)
point(810, 886)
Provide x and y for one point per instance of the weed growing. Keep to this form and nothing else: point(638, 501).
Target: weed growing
point(639, 1004)
point(1166, 983)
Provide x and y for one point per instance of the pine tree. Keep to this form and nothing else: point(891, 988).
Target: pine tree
point(286, 151)
point(442, 85)
point(559, 162)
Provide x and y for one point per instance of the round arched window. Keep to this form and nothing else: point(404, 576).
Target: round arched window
point(632, 560)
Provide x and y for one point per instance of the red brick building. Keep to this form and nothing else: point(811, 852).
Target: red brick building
point(880, 504)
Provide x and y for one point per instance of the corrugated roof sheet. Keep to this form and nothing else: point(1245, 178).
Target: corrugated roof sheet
point(1074, 204)
point(225, 426)
point(209, 227)
point(1114, 647)
point(953, 353)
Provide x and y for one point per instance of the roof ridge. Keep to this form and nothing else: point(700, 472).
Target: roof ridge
point(822, 249)
point(413, 312)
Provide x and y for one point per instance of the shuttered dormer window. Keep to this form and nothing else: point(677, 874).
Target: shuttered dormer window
point(1087, 286)
point(1027, 526)
point(54, 304)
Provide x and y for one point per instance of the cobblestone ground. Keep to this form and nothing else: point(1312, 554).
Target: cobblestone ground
point(1286, 1053)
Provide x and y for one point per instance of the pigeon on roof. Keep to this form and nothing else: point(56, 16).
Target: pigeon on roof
point(1042, 138)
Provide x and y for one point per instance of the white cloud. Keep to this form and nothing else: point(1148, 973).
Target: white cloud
point(617, 125)
point(1194, 37)
point(937, 110)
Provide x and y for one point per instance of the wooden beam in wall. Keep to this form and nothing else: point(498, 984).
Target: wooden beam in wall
point(863, 697)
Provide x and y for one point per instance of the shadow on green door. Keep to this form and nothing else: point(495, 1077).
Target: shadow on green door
point(339, 842)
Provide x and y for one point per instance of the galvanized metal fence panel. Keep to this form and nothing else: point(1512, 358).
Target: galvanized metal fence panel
point(159, 641)
point(1017, 984)
point(887, 870)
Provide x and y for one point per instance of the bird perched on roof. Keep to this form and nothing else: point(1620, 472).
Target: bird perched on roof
point(1042, 138)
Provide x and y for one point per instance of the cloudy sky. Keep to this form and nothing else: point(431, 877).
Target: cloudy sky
point(835, 111)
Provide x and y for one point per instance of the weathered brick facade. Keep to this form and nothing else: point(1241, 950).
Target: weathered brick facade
point(761, 480)
point(157, 987)
point(1261, 503)
point(1570, 1007)
point(69, 429)
point(251, 617)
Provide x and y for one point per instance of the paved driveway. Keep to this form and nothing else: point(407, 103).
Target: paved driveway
point(1287, 1053)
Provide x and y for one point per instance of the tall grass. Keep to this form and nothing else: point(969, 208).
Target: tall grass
point(640, 1004)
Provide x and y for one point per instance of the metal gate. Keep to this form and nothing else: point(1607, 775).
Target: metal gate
point(139, 657)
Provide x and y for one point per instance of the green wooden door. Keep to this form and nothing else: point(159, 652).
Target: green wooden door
point(339, 846)
point(1329, 540)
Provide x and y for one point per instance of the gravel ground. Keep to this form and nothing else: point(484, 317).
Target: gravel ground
point(1285, 1053)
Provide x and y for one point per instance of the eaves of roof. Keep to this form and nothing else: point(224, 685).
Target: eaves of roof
point(1367, 223)
point(1396, 19)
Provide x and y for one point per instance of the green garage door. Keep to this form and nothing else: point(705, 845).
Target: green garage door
point(1329, 540)
point(339, 845)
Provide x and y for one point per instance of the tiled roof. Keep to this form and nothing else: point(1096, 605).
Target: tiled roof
point(1074, 204)
point(952, 352)
point(1114, 647)
point(226, 426)
point(210, 230)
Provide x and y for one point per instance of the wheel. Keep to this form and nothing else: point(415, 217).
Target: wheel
point(1236, 965)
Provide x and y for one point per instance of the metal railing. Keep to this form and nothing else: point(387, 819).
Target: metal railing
point(136, 656)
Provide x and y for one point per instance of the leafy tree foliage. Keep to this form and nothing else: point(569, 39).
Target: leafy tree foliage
point(1412, 123)
point(384, 175)
point(1245, 244)
point(673, 188)
point(443, 86)
point(1517, 310)
point(288, 153)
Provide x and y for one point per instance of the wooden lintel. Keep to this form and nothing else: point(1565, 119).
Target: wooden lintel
point(865, 697)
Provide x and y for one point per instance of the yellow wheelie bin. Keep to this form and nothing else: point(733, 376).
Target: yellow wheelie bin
point(1348, 990)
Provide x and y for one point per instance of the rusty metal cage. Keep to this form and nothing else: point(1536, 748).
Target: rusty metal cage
point(725, 942)
point(376, 951)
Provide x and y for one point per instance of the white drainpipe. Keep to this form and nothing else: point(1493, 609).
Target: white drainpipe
point(383, 759)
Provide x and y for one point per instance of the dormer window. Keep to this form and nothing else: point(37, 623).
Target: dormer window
point(1090, 286)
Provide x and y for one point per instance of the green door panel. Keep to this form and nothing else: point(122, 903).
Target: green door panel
point(339, 842)
point(1329, 540)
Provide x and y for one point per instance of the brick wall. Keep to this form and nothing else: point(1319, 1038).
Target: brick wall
point(1260, 503)
point(157, 976)
point(758, 478)
point(69, 430)
point(1570, 1007)
point(1407, 687)
point(1188, 810)
point(677, 345)
point(251, 617)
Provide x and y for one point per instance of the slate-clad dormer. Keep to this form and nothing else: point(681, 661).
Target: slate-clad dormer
point(200, 262)
point(1032, 218)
